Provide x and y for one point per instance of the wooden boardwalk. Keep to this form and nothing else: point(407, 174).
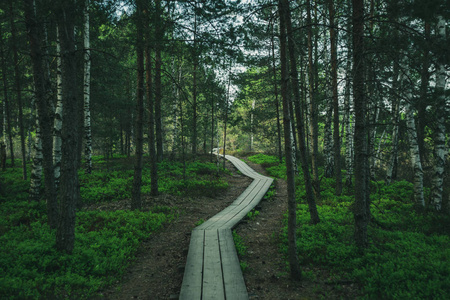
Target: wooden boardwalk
point(212, 267)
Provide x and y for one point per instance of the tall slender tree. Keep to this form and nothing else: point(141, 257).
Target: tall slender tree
point(334, 84)
point(87, 90)
point(441, 115)
point(295, 86)
point(151, 110)
point(68, 194)
point(361, 209)
point(43, 95)
point(313, 127)
point(136, 201)
point(296, 273)
point(18, 87)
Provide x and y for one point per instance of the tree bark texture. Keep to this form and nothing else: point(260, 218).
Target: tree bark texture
point(151, 115)
point(312, 108)
point(136, 202)
point(334, 85)
point(361, 213)
point(6, 111)
point(57, 123)
point(300, 122)
point(68, 194)
point(158, 85)
point(18, 87)
point(413, 144)
point(87, 92)
point(43, 94)
point(296, 273)
point(441, 115)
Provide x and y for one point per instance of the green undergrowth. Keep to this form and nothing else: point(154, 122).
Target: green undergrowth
point(111, 183)
point(241, 250)
point(105, 245)
point(408, 251)
point(106, 241)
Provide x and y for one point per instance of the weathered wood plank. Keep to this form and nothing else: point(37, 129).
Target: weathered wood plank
point(191, 288)
point(232, 275)
point(212, 267)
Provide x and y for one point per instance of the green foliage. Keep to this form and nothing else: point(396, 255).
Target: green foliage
point(408, 253)
point(112, 185)
point(241, 250)
point(105, 244)
point(264, 160)
point(252, 214)
point(239, 243)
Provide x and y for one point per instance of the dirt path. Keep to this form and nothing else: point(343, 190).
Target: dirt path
point(157, 272)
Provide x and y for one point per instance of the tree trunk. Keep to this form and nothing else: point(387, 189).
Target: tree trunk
point(159, 35)
point(43, 94)
point(312, 108)
point(296, 273)
point(348, 120)
point(57, 123)
point(336, 137)
point(151, 115)
point(194, 88)
point(275, 90)
point(361, 212)
point(413, 145)
point(68, 195)
point(395, 104)
point(136, 202)
point(6, 110)
point(87, 92)
point(441, 115)
point(36, 169)
point(18, 91)
point(300, 122)
point(424, 100)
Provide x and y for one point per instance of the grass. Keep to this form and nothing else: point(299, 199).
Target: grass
point(407, 257)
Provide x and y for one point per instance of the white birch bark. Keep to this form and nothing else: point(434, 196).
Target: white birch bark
point(328, 141)
point(251, 124)
point(413, 146)
point(175, 93)
point(439, 134)
point(87, 92)
point(36, 167)
point(394, 149)
point(348, 122)
point(57, 123)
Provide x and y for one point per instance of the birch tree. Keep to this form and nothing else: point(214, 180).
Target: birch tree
point(43, 95)
point(87, 92)
point(57, 123)
point(413, 144)
point(441, 115)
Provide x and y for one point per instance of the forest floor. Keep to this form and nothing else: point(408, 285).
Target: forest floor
point(157, 271)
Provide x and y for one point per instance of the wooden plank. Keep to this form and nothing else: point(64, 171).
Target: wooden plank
point(212, 268)
point(232, 275)
point(191, 287)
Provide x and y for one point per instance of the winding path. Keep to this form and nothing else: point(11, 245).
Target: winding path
point(212, 267)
